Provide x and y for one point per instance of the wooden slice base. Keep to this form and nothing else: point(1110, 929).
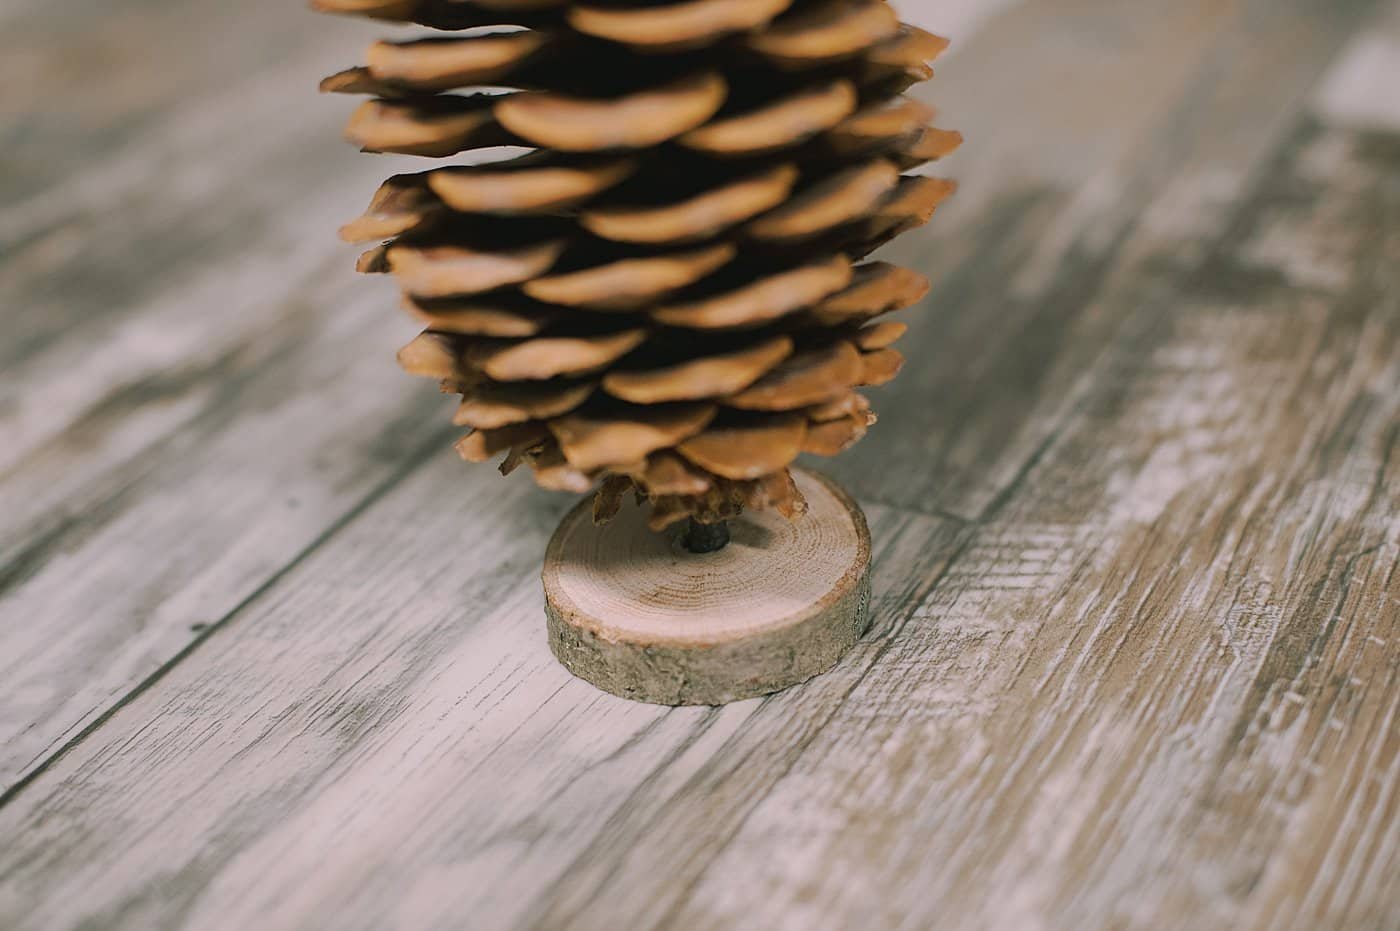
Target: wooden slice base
point(634, 613)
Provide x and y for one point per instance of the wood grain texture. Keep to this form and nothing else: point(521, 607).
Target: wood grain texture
point(167, 324)
point(1135, 651)
point(1137, 127)
point(1174, 653)
point(634, 613)
point(432, 709)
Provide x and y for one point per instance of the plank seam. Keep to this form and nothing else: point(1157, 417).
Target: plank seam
point(419, 457)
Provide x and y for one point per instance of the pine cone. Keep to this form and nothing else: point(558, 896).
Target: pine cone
point(663, 295)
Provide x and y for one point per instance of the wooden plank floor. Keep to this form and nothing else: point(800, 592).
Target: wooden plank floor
point(271, 657)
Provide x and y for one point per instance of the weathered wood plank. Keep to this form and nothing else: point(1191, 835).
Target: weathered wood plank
point(1105, 140)
point(1359, 92)
point(1074, 597)
point(134, 557)
point(1155, 634)
point(89, 80)
point(197, 388)
point(401, 670)
point(129, 405)
point(175, 246)
point(1159, 689)
point(177, 242)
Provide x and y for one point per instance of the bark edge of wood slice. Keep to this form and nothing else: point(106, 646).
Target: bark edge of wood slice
point(631, 612)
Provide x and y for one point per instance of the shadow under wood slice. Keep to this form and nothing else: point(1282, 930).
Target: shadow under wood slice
point(636, 614)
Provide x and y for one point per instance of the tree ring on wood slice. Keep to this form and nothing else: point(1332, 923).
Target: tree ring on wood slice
point(634, 613)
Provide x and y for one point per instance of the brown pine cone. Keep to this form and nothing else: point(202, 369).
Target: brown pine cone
point(666, 294)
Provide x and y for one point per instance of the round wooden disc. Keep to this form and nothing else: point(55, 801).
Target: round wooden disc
point(634, 613)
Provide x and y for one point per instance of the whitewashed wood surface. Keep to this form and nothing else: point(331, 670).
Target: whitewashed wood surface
point(271, 657)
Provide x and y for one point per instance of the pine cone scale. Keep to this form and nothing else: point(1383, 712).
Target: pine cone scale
point(676, 26)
